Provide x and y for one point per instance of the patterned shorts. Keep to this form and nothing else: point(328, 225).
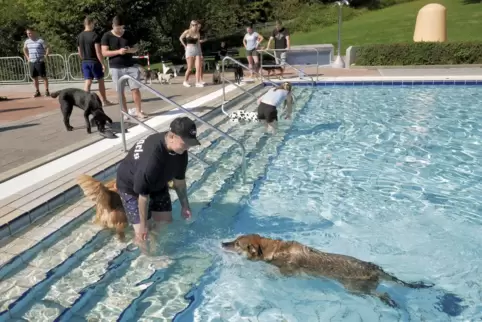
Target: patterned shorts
point(158, 202)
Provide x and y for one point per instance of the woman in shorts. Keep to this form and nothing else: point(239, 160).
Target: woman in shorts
point(251, 41)
point(269, 103)
point(190, 39)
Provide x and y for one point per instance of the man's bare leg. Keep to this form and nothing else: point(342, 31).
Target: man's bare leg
point(102, 92)
point(136, 97)
point(87, 85)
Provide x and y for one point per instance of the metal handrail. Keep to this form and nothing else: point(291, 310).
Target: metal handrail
point(120, 90)
point(285, 63)
point(245, 67)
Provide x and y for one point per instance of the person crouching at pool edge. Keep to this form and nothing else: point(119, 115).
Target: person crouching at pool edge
point(269, 103)
point(143, 178)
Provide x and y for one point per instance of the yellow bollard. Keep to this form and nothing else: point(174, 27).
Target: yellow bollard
point(431, 24)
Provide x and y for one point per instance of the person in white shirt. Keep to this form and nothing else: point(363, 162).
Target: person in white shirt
point(251, 41)
point(269, 103)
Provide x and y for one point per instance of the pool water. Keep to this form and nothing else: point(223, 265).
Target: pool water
point(385, 174)
point(390, 175)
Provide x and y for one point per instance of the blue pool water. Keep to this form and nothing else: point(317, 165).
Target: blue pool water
point(390, 175)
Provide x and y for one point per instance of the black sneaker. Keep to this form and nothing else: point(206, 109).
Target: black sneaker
point(47, 93)
point(37, 94)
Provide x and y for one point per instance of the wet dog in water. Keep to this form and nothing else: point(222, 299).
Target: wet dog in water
point(357, 276)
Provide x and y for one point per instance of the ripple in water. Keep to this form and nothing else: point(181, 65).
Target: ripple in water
point(385, 174)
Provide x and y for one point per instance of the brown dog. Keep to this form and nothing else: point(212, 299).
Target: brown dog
point(109, 210)
point(290, 257)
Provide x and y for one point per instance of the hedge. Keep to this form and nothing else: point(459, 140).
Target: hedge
point(420, 53)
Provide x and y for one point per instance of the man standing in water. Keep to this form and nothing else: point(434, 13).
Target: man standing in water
point(144, 174)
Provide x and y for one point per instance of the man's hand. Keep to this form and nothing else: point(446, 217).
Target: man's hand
point(122, 51)
point(141, 234)
point(186, 213)
point(103, 68)
point(288, 116)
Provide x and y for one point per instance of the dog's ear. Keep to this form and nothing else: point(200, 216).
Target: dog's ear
point(255, 251)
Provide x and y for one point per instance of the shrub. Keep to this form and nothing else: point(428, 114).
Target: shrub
point(420, 53)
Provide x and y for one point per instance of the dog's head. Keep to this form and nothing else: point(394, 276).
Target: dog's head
point(247, 245)
point(100, 119)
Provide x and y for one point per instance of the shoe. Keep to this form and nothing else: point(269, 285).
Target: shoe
point(186, 84)
point(199, 85)
point(107, 103)
point(47, 93)
point(37, 94)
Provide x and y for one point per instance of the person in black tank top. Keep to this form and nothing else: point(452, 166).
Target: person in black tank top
point(190, 39)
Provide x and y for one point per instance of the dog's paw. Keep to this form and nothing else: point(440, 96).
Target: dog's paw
point(89, 131)
point(70, 128)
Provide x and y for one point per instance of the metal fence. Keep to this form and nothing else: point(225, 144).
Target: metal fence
point(59, 68)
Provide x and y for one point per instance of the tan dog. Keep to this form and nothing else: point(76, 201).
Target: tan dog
point(357, 276)
point(109, 210)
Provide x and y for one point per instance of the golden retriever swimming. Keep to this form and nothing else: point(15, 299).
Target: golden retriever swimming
point(109, 210)
point(357, 276)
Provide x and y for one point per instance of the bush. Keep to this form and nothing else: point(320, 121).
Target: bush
point(420, 53)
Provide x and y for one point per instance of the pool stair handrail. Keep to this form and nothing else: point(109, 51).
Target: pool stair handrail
point(241, 88)
point(313, 82)
point(120, 89)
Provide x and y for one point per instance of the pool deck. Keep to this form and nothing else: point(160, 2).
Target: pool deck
point(36, 157)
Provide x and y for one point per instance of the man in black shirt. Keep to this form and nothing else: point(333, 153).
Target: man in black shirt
point(281, 37)
point(146, 170)
point(118, 45)
point(88, 45)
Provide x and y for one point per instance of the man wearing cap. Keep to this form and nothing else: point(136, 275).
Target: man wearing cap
point(143, 176)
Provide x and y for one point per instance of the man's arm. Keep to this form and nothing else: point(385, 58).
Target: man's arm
point(98, 50)
point(181, 189)
point(180, 183)
point(25, 51)
point(269, 42)
point(105, 47)
point(145, 177)
point(289, 105)
point(47, 48)
point(288, 46)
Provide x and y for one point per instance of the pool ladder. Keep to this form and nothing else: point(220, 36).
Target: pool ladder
point(120, 89)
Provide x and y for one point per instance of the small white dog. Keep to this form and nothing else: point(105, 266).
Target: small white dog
point(164, 78)
point(241, 116)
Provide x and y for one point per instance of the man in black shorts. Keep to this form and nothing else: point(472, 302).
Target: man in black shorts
point(36, 51)
point(281, 36)
point(143, 176)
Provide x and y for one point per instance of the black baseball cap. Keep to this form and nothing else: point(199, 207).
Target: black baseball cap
point(186, 129)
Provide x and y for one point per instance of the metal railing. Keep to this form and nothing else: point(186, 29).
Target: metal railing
point(289, 65)
point(237, 62)
point(13, 69)
point(120, 89)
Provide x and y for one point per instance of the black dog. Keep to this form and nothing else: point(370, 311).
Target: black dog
point(238, 74)
point(89, 102)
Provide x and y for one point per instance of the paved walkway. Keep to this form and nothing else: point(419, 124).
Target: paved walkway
point(32, 130)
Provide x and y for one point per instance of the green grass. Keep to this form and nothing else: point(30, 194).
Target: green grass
point(396, 24)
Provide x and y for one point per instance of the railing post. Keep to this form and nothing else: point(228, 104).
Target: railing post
point(120, 90)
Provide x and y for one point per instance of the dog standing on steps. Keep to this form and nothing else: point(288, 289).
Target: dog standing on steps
point(217, 75)
point(90, 103)
point(357, 276)
point(109, 212)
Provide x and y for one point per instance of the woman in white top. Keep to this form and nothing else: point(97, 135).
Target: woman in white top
point(251, 41)
point(190, 39)
point(271, 101)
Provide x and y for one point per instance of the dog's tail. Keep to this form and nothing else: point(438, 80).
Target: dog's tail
point(96, 190)
point(55, 94)
point(420, 284)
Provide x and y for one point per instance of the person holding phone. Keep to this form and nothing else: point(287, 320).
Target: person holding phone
point(119, 46)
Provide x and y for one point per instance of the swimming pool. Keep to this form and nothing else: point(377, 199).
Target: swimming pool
point(386, 174)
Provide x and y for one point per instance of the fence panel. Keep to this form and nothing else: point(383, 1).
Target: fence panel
point(75, 67)
point(56, 66)
point(13, 70)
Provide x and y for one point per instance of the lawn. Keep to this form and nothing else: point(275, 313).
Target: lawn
point(396, 24)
